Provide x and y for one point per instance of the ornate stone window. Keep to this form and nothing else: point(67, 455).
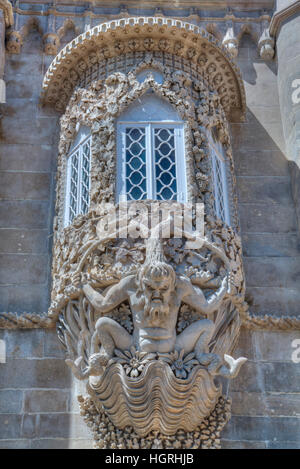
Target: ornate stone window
point(151, 157)
point(219, 178)
point(77, 198)
point(156, 95)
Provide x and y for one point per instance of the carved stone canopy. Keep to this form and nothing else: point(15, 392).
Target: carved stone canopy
point(141, 34)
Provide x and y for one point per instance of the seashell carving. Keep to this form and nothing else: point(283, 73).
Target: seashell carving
point(156, 400)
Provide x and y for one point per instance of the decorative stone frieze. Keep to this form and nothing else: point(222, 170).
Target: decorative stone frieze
point(142, 34)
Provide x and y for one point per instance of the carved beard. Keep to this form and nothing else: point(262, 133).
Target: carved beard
point(155, 312)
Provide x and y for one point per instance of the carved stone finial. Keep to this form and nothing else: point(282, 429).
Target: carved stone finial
point(231, 42)
point(266, 45)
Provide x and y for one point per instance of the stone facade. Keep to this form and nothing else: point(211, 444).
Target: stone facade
point(38, 405)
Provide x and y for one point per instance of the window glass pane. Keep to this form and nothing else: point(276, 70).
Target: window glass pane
point(165, 163)
point(85, 177)
point(78, 197)
point(73, 186)
point(220, 189)
point(136, 163)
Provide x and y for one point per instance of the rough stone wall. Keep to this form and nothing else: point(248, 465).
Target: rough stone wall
point(37, 404)
point(270, 233)
point(27, 171)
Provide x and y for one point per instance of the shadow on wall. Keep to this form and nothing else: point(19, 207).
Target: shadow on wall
point(268, 188)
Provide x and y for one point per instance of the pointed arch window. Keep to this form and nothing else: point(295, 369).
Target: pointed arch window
point(77, 198)
point(151, 162)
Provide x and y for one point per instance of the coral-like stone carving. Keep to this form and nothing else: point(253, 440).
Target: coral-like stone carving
point(107, 436)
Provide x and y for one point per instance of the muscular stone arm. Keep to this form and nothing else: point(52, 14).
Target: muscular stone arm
point(194, 297)
point(113, 297)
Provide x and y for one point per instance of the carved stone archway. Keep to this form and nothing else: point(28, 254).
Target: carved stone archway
point(144, 34)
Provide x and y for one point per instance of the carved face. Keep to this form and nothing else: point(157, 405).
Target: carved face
point(157, 283)
point(157, 290)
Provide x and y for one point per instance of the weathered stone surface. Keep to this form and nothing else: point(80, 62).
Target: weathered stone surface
point(11, 401)
point(62, 426)
point(23, 268)
point(257, 218)
point(25, 157)
point(283, 445)
point(272, 190)
point(52, 346)
point(44, 401)
point(270, 244)
point(23, 241)
point(38, 373)
point(61, 443)
point(273, 300)
point(28, 426)
point(265, 404)
point(262, 429)
point(230, 444)
point(20, 298)
point(282, 377)
point(259, 163)
point(266, 345)
point(10, 426)
point(23, 343)
point(15, 444)
point(24, 214)
point(31, 129)
point(280, 272)
point(250, 380)
point(15, 185)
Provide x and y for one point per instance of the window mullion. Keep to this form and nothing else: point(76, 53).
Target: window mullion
point(150, 162)
point(180, 164)
point(68, 191)
point(79, 180)
point(215, 181)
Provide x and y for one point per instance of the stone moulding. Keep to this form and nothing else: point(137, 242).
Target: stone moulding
point(126, 35)
point(283, 15)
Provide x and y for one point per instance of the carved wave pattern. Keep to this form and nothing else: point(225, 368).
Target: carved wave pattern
point(156, 400)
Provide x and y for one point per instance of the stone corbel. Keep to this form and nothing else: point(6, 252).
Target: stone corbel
point(51, 39)
point(14, 42)
point(51, 43)
point(6, 20)
point(266, 44)
point(230, 42)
